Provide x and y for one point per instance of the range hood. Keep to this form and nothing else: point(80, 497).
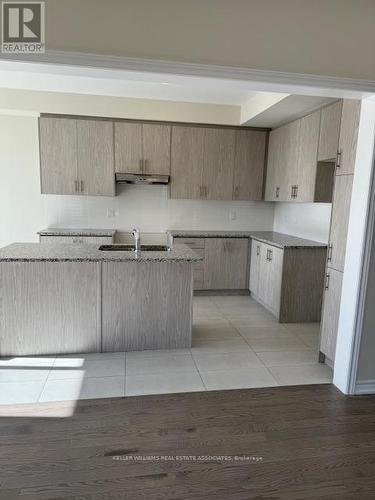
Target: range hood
point(123, 178)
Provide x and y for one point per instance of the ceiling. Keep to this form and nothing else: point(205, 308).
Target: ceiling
point(257, 108)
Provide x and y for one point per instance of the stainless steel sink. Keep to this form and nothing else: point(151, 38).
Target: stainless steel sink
point(131, 248)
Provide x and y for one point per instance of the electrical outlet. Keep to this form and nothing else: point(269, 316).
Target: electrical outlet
point(111, 212)
point(233, 215)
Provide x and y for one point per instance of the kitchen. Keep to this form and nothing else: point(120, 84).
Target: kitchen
point(252, 283)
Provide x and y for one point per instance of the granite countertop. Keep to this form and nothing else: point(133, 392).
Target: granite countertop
point(64, 231)
point(64, 252)
point(272, 238)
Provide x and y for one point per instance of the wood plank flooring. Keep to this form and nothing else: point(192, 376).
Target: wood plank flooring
point(309, 442)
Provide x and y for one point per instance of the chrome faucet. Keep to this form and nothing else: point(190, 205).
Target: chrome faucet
point(137, 239)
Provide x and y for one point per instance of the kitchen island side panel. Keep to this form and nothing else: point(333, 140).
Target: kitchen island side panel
point(147, 306)
point(49, 308)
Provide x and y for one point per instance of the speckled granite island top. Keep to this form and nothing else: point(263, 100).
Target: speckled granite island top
point(277, 239)
point(63, 252)
point(62, 231)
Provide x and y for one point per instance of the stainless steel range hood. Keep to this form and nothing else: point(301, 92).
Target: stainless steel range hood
point(123, 178)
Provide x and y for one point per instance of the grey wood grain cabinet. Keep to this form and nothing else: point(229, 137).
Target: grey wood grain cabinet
point(187, 156)
point(339, 221)
point(273, 182)
point(289, 281)
point(217, 163)
point(128, 312)
point(58, 155)
point(249, 164)
point(226, 263)
point(95, 157)
point(331, 312)
point(142, 148)
point(351, 110)
point(255, 266)
point(36, 322)
point(76, 156)
point(329, 131)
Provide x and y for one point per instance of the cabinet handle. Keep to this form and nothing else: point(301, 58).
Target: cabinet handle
point(327, 282)
point(76, 186)
point(258, 250)
point(329, 256)
point(205, 191)
point(81, 186)
point(277, 191)
point(292, 192)
point(141, 165)
point(338, 159)
point(236, 192)
point(296, 191)
point(270, 255)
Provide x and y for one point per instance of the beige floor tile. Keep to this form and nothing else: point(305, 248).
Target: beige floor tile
point(312, 340)
point(302, 374)
point(159, 363)
point(216, 346)
point(276, 344)
point(238, 379)
point(226, 361)
point(163, 383)
point(93, 368)
point(302, 328)
point(90, 388)
point(261, 332)
point(12, 393)
point(288, 358)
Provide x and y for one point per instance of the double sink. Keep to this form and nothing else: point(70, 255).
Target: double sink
point(131, 248)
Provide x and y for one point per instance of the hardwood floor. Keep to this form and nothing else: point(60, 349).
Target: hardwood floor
point(310, 442)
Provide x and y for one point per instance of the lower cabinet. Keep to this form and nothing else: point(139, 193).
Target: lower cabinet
point(270, 274)
point(224, 265)
point(331, 311)
point(288, 282)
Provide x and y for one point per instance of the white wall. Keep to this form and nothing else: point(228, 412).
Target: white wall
point(23, 210)
point(306, 220)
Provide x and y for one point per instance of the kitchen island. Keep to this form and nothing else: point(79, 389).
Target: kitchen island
point(71, 298)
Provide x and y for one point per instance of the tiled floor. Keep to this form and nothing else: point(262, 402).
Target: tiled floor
point(236, 344)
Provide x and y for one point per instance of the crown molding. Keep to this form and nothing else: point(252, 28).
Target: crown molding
point(271, 80)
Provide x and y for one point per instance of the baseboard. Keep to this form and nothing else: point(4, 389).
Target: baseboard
point(365, 387)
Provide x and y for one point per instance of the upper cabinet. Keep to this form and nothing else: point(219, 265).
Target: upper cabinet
point(351, 110)
point(142, 148)
point(249, 165)
point(329, 132)
point(217, 163)
point(76, 156)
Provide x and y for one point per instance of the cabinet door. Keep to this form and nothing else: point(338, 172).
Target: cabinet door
point(156, 149)
point(128, 147)
point(307, 157)
point(339, 221)
point(96, 157)
point(255, 266)
point(331, 312)
point(288, 171)
point(225, 264)
point(271, 267)
point(218, 163)
point(351, 110)
point(272, 190)
point(58, 155)
point(187, 163)
point(249, 165)
point(329, 131)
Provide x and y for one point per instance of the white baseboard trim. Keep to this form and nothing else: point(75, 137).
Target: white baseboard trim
point(365, 387)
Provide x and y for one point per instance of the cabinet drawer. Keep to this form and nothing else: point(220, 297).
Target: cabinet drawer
point(99, 240)
point(191, 242)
